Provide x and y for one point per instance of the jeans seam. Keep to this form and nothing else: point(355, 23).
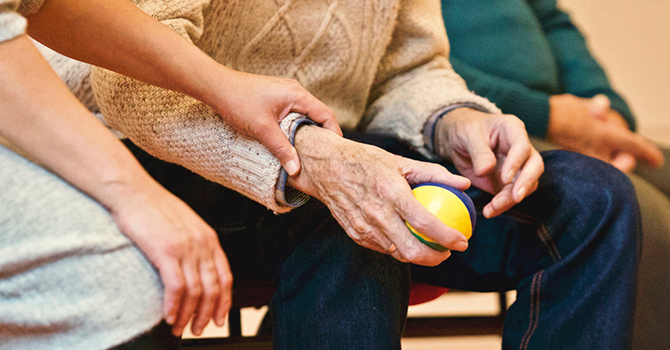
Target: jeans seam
point(541, 231)
point(534, 319)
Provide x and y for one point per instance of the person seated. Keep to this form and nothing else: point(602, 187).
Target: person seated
point(532, 61)
point(560, 228)
point(90, 245)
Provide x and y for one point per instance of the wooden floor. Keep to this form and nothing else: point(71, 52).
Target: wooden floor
point(456, 304)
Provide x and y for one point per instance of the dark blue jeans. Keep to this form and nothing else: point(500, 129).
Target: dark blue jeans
point(570, 250)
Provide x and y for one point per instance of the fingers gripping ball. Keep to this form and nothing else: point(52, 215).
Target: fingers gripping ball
point(448, 204)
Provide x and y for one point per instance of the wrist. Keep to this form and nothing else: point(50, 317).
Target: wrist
point(558, 106)
point(443, 129)
point(118, 189)
point(287, 194)
point(303, 141)
point(318, 150)
point(430, 126)
point(214, 85)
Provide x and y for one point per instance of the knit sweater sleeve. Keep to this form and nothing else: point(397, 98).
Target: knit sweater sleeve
point(179, 129)
point(580, 73)
point(12, 24)
point(415, 79)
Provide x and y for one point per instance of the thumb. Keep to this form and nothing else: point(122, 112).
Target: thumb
point(277, 143)
point(598, 106)
point(625, 162)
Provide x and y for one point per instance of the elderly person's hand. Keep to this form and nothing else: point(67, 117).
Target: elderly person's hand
point(368, 191)
point(494, 152)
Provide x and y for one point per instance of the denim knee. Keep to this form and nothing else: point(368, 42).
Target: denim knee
point(583, 178)
point(592, 191)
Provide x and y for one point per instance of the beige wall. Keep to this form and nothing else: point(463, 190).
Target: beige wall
point(632, 41)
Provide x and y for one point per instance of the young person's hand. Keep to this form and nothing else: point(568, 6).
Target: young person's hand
point(151, 52)
point(183, 248)
point(43, 119)
point(254, 105)
point(494, 152)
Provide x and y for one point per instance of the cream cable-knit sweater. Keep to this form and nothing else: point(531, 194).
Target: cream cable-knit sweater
point(382, 65)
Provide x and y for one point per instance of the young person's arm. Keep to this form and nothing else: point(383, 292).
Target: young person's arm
point(42, 118)
point(117, 35)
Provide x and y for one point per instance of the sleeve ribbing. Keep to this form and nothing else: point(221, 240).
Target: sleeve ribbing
point(415, 78)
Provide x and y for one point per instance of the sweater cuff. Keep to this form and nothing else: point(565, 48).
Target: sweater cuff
point(287, 196)
point(12, 25)
point(618, 104)
point(430, 125)
point(533, 110)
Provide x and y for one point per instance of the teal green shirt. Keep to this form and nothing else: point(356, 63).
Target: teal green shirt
point(517, 53)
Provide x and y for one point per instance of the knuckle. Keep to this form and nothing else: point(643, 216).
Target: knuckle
point(355, 236)
point(330, 113)
point(210, 236)
point(175, 287)
point(174, 248)
point(360, 226)
point(401, 258)
point(199, 239)
point(421, 222)
point(214, 290)
point(195, 290)
point(226, 283)
point(517, 123)
point(412, 254)
point(372, 214)
point(292, 82)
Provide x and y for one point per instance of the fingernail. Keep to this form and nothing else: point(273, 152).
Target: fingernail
point(521, 192)
point(170, 320)
point(510, 176)
point(461, 246)
point(291, 167)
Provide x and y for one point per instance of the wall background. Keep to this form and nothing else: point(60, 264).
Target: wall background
point(631, 39)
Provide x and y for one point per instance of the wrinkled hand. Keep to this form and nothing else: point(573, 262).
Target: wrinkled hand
point(368, 192)
point(494, 152)
point(254, 105)
point(591, 127)
point(184, 249)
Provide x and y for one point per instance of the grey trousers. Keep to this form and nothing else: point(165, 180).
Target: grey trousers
point(69, 279)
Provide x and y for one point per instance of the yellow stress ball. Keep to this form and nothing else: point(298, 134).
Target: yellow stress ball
point(448, 204)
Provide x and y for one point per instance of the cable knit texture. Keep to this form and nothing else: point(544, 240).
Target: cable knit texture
point(382, 65)
point(77, 76)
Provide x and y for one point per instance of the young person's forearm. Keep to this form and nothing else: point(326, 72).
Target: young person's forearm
point(44, 120)
point(99, 31)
